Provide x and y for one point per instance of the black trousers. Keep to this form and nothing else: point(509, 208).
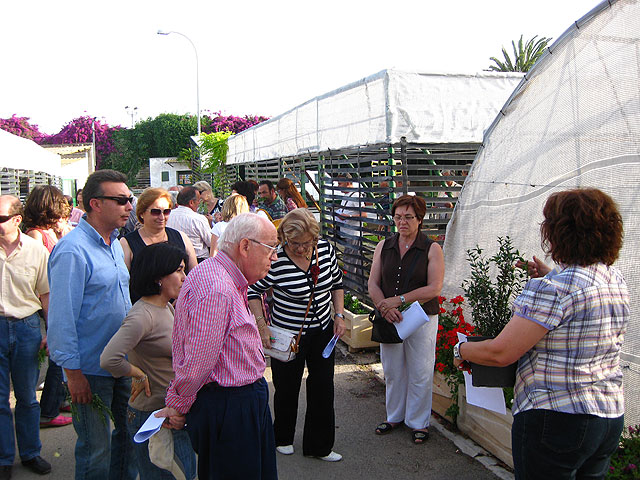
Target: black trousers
point(231, 431)
point(319, 423)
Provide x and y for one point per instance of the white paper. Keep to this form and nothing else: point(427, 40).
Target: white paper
point(149, 428)
point(280, 341)
point(412, 319)
point(484, 397)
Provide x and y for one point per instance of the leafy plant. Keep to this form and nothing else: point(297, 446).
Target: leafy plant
point(490, 299)
point(354, 305)
point(625, 462)
point(213, 151)
point(97, 404)
point(524, 56)
point(42, 357)
point(450, 322)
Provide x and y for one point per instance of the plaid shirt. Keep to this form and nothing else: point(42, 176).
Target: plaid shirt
point(215, 337)
point(575, 367)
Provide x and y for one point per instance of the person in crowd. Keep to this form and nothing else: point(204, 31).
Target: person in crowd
point(89, 285)
point(23, 263)
point(153, 210)
point(218, 359)
point(349, 222)
point(78, 211)
point(233, 205)
point(245, 189)
point(186, 219)
point(290, 195)
point(210, 206)
point(145, 337)
point(270, 202)
point(256, 197)
point(45, 212)
point(132, 222)
point(566, 333)
point(408, 267)
point(296, 286)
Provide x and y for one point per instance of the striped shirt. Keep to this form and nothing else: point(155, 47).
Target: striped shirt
point(292, 288)
point(215, 337)
point(575, 367)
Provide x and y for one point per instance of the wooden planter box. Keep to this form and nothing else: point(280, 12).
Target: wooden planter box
point(358, 334)
point(490, 430)
point(441, 398)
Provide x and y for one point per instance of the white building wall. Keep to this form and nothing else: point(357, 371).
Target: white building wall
point(165, 164)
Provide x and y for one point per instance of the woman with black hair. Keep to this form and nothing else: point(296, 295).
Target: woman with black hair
point(157, 275)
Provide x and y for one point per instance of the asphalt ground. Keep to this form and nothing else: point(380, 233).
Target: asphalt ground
point(359, 405)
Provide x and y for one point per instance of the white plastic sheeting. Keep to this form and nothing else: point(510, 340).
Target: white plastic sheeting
point(381, 108)
point(574, 121)
point(23, 154)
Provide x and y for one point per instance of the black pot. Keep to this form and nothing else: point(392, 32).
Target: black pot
point(483, 376)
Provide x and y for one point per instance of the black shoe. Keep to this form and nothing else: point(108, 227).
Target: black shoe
point(37, 465)
point(5, 472)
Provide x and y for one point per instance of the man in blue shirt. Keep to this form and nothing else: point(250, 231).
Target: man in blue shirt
point(89, 292)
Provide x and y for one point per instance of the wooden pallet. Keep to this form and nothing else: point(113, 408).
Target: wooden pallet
point(358, 334)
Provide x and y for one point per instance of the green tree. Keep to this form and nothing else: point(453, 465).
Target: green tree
point(524, 55)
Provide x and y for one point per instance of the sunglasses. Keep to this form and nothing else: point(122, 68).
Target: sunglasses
point(157, 211)
point(118, 200)
point(6, 218)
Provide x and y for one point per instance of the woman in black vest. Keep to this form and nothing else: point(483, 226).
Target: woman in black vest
point(408, 267)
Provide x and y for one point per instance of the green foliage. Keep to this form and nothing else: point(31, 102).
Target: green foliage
point(490, 299)
point(98, 405)
point(42, 356)
point(625, 462)
point(354, 305)
point(213, 152)
point(524, 55)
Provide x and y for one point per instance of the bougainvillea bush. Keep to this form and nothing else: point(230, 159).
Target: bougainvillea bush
point(625, 462)
point(21, 127)
point(450, 322)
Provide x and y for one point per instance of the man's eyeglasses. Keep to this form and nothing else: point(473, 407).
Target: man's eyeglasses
point(6, 218)
point(406, 218)
point(272, 251)
point(118, 200)
point(157, 211)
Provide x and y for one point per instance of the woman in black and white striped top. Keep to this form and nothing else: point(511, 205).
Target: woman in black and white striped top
point(292, 280)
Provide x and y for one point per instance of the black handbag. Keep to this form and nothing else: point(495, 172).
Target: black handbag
point(383, 331)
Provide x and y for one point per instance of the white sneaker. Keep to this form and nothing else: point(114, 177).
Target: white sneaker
point(332, 457)
point(285, 449)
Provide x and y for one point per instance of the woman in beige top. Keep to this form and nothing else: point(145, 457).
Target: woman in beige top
point(157, 274)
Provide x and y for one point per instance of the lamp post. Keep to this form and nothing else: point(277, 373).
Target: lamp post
point(162, 32)
point(132, 112)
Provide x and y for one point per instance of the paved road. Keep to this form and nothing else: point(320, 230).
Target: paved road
point(359, 407)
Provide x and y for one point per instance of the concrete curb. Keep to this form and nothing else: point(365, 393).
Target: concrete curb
point(465, 445)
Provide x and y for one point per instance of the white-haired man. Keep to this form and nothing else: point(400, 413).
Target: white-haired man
point(219, 389)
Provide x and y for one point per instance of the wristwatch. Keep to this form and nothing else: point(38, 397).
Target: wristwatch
point(456, 351)
point(402, 300)
point(341, 315)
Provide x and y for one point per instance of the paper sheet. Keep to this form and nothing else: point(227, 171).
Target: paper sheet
point(280, 341)
point(483, 397)
point(412, 319)
point(149, 428)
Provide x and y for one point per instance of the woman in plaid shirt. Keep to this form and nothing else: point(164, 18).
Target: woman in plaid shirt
point(567, 331)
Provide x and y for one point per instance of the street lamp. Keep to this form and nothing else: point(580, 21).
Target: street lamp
point(132, 113)
point(162, 32)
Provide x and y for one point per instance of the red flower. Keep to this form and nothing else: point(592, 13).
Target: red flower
point(440, 367)
point(441, 300)
point(457, 300)
point(442, 310)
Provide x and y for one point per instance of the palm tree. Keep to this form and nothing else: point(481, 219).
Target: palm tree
point(524, 55)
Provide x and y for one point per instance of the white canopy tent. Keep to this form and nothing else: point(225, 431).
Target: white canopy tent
point(574, 121)
point(381, 108)
point(23, 154)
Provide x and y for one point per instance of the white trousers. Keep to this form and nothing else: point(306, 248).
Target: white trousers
point(408, 373)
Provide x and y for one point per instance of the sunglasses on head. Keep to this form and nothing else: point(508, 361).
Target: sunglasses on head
point(157, 211)
point(5, 218)
point(118, 200)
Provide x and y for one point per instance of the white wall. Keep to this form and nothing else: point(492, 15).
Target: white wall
point(165, 164)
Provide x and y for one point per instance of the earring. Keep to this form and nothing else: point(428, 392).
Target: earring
point(160, 284)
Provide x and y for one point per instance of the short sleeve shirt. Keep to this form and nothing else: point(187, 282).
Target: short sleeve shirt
point(575, 367)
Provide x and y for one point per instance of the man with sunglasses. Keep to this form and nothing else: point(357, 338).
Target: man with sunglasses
point(89, 284)
point(219, 390)
point(23, 292)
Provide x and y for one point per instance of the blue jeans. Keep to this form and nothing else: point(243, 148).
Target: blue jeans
point(19, 345)
point(53, 393)
point(181, 448)
point(554, 445)
point(103, 454)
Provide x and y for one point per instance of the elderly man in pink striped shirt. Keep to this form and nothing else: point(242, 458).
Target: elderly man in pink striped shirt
point(219, 391)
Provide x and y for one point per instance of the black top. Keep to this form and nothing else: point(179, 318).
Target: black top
point(393, 268)
point(136, 244)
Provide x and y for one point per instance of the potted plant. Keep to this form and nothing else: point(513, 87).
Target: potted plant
point(450, 322)
point(356, 319)
point(490, 300)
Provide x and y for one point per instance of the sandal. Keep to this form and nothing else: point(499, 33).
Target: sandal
point(419, 436)
point(386, 427)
